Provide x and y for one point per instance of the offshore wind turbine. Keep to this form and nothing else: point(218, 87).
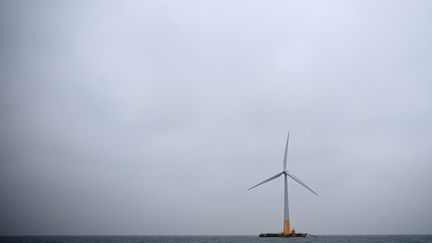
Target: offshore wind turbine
point(286, 226)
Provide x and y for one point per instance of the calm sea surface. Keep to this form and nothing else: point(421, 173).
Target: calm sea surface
point(213, 239)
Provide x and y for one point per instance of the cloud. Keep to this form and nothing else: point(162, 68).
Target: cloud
point(155, 117)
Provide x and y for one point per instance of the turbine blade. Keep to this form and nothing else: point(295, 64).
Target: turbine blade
point(301, 182)
point(269, 179)
point(286, 151)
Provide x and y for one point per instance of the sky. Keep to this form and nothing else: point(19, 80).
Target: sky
point(155, 117)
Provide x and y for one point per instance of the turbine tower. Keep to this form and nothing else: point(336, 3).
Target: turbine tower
point(286, 225)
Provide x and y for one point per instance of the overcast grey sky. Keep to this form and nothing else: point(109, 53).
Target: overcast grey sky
point(154, 117)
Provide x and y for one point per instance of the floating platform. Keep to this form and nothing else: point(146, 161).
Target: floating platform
point(282, 235)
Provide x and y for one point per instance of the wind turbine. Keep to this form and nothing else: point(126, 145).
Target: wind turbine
point(287, 227)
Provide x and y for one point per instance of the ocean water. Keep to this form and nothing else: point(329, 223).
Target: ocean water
point(214, 239)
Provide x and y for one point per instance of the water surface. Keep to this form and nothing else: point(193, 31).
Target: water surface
point(215, 239)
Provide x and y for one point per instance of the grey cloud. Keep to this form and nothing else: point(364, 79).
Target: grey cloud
point(155, 117)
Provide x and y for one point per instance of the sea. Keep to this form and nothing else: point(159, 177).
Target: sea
point(215, 239)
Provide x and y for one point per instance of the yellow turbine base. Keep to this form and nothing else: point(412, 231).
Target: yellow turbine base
point(287, 227)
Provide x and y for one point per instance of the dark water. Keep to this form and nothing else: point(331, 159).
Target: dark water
point(213, 239)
